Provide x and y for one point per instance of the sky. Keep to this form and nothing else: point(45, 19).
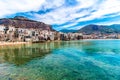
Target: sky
point(64, 14)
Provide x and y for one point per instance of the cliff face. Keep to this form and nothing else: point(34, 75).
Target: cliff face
point(22, 22)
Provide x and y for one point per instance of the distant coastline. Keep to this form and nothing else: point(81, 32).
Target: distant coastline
point(100, 39)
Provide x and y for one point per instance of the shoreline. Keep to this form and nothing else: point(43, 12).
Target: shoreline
point(12, 43)
point(21, 43)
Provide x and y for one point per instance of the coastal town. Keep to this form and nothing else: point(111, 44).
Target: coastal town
point(13, 34)
point(101, 36)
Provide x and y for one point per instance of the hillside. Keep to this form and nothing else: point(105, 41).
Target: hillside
point(22, 22)
point(67, 30)
point(89, 29)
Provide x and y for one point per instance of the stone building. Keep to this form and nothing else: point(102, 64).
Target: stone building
point(13, 34)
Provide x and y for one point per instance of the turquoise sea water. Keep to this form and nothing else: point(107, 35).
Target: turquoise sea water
point(70, 60)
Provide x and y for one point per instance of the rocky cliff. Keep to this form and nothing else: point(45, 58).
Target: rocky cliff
point(23, 22)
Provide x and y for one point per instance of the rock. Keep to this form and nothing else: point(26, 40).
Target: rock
point(23, 22)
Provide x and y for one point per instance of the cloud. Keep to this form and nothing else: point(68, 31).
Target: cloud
point(8, 7)
point(107, 7)
point(65, 13)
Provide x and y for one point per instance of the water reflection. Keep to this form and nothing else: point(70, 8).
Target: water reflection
point(22, 54)
point(69, 60)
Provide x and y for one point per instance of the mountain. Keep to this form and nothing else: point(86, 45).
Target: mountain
point(105, 29)
point(67, 30)
point(115, 27)
point(23, 22)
